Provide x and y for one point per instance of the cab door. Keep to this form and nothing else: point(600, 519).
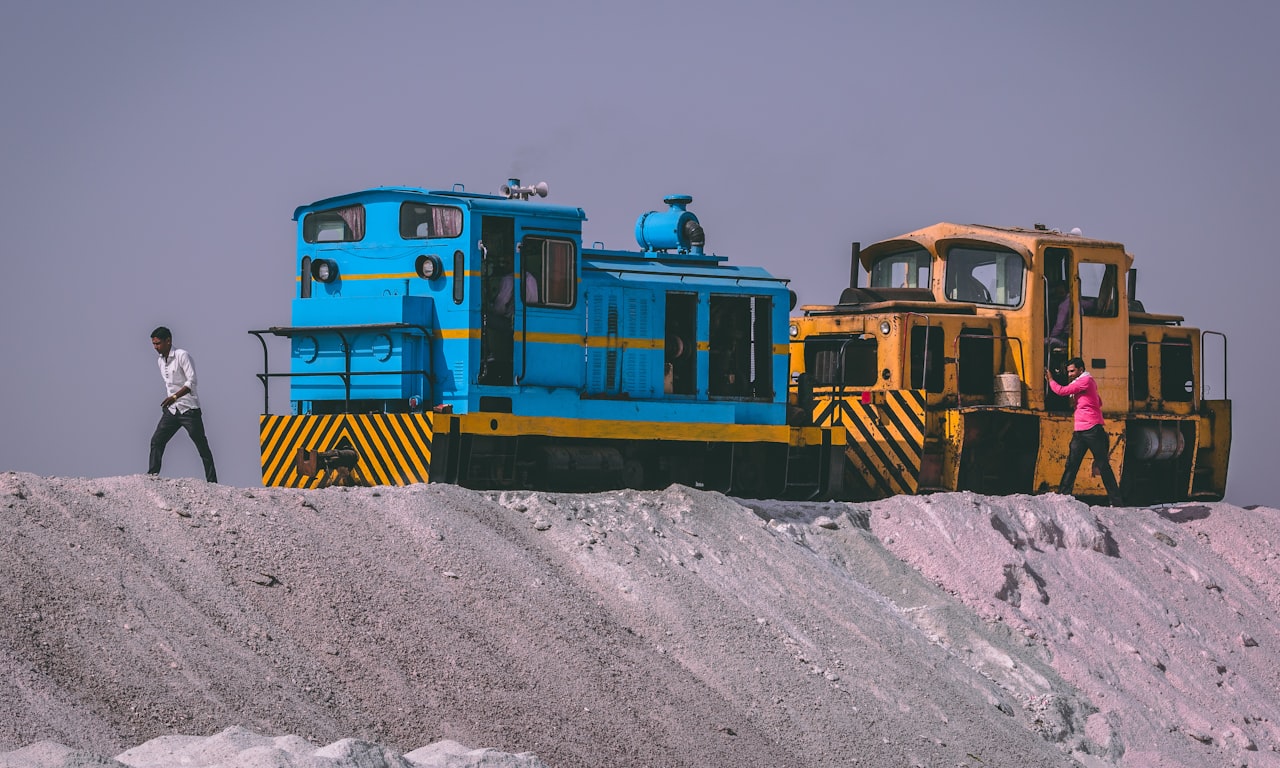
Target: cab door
point(1103, 327)
point(549, 319)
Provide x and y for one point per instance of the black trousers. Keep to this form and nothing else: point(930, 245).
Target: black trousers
point(1095, 441)
point(169, 424)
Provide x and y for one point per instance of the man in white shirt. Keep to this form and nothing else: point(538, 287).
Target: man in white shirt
point(180, 407)
point(504, 303)
point(499, 328)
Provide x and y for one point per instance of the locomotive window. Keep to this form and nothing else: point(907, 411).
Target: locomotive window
point(680, 347)
point(927, 364)
point(304, 290)
point(550, 266)
point(905, 269)
point(740, 347)
point(419, 221)
point(336, 225)
point(845, 361)
point(976, 366)
point(459, 276)
point(1139, 369)
point(1177, 376)
point(1098, 290)
point(984, 276)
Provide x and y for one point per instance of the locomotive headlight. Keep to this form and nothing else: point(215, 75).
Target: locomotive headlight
point(885, 327)
point(428, 267)
point(794, 330)
point(324, 270)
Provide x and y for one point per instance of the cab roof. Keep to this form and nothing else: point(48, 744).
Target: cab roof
point(457, 196)
point(1019, 239)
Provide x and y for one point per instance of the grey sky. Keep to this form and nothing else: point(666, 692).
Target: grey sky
point(153, 154)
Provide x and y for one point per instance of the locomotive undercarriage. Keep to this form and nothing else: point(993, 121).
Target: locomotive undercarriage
point(537, 462)
point(400, 449)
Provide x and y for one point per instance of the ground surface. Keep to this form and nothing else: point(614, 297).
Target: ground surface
point(673, 628)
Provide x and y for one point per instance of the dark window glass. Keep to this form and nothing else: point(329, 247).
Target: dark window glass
point(740, 347)
point(550, 269)
point(305, 289)
point(976, 366)
point(680, 366)
point(419, 221)
point(459, 276)
point(336, 225)
point(926, 358)
point(1177, 379)
point(1139, 375)
point(842, 361)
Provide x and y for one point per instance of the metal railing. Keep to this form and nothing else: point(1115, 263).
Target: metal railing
point(346, 374)
point(1223, 336)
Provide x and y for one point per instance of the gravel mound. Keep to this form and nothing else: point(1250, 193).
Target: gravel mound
point(674, 628)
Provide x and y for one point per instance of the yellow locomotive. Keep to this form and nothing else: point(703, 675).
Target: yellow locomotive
point(935, 369)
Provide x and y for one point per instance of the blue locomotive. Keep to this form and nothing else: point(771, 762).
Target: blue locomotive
point(444, 335)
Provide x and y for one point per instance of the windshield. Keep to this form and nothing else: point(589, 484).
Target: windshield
point(904, 269)
point(336, 225)
point(984, 276)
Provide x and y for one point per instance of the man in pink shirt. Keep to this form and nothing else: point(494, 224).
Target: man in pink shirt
point(1089, 433)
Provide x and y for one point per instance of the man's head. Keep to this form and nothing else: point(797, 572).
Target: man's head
point(161, 340)
point(1075, 367)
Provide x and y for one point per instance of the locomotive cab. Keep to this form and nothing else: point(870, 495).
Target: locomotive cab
point(937, 367)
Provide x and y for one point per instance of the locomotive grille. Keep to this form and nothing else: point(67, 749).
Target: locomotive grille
point(394, 448)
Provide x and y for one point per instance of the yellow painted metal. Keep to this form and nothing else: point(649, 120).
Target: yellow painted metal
point(885, 442)
point(952, 444)
point(1213, 448)
point(393, 449)
point(458, 333)
point(802, 437)
point(1055, 443)
point(510, 425)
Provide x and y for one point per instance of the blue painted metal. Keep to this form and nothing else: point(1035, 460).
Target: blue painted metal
point(673, 229)
point(379, 356)
point(601, 357)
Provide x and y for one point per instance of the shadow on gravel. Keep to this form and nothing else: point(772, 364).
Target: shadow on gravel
point(1184, 514)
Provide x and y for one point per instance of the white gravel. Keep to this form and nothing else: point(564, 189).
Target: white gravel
point(174, 623)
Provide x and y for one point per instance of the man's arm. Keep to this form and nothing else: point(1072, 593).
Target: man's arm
point(171, 399)
point(505, 295)
point(189, 373)
point(1064, 318)
point(1079, 385)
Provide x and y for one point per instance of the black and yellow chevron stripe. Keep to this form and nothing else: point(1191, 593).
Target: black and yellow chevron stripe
point(885, 436)
point(394, 449)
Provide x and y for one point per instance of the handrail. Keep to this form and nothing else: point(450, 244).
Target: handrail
point(519, 290)
point(906, 350)
point(347, 373)
point(1044, 297)
point(1224, 362)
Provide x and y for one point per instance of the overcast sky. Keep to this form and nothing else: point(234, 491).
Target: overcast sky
point(153, 153)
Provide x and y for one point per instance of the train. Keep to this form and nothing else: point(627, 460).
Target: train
point(936, 368)
point(441, 335)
